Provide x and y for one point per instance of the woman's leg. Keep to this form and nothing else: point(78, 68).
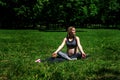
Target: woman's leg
point(64, 55)
point(77, 55)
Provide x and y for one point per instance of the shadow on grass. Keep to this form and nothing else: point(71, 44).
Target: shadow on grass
point(108, 74)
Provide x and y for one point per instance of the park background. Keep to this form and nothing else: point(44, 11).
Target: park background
point(51, 14)
point(32, 29)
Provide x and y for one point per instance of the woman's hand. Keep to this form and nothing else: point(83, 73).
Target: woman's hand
point(54, 55)
point(83, 55)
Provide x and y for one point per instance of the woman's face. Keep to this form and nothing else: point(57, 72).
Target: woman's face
point(73, 31)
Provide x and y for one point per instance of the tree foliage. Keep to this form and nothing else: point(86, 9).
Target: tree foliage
point(20, 13)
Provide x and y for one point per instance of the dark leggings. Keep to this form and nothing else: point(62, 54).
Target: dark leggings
point(63, 56)
point(67, 57)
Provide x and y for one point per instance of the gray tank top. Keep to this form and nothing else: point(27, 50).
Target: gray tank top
point(71, 44)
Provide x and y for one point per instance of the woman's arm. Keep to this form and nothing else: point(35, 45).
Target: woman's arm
point(61, 46)
point(79, 46)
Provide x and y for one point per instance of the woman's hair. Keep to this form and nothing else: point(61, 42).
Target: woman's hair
point(69, 31)
point(70, 28)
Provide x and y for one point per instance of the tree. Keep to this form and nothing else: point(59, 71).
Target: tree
point(67, 12)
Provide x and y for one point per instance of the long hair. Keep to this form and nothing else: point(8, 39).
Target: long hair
point(69, 32)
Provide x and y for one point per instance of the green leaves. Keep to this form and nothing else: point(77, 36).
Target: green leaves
point(114, 5)
point(55, 11)
point(2, 3)
point(93, 9)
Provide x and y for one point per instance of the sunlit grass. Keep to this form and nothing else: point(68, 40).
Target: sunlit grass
point(20, 48)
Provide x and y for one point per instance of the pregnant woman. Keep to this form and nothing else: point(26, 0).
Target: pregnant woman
point(74, 48)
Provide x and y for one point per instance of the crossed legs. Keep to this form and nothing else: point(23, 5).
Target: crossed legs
point(66, 56)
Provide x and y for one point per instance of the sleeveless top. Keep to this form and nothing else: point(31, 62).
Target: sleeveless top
point(71, 44)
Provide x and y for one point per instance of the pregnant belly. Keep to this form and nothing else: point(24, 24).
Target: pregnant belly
point(70, 52)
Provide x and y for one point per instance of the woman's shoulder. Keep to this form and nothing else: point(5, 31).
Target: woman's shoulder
point(77, 37)
point(65, 39)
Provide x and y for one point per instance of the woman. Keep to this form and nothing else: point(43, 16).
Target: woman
point(73, 45)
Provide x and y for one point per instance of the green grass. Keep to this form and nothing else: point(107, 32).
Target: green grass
point(20, 48)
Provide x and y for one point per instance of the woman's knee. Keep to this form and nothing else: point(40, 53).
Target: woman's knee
point(79, 55)
point(60, 53)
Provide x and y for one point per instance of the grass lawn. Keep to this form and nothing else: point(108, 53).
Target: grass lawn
point(20, 48)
